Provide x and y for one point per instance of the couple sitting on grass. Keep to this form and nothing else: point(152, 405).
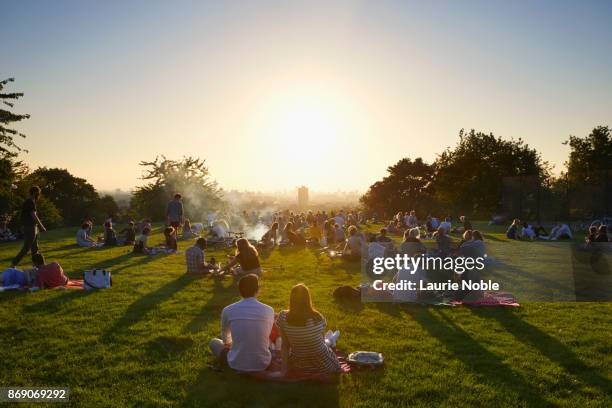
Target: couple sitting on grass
point(170, 244)
point(84, 239)
point(246, 326)
point(245, 261)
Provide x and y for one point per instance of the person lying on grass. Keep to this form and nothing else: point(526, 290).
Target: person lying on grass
point(48, 275)
point(245, 331)
point(560, 231)
point(195, 259)
point(83, 239)
point(247, 259)
point(303, 344)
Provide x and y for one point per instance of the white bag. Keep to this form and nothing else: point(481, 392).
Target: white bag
point(97, 279)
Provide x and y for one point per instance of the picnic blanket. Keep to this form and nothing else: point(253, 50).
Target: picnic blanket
point(273, 372)
point(505, 299)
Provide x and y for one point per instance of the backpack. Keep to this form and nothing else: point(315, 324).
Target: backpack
point(345, 292)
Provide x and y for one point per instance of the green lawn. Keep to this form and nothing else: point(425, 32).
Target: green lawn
point(144, 342)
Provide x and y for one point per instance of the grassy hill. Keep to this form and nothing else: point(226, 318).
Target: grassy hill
point(144, 342)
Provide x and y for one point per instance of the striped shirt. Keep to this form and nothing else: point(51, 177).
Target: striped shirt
point(308, 351)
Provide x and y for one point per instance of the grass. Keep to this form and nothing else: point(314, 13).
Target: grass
point(144, 342)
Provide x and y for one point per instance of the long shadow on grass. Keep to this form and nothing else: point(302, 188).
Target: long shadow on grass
point(228, 388)
point(549, 346)
point(137, 310)
point(211, 310)
point(56, 303)
point(485, 364)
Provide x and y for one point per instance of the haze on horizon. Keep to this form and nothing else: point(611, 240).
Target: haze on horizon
point(280, 94)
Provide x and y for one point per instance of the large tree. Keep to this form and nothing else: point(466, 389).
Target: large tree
point(469, 177)
point(74, 197)
point(8, 146)
point(165, 177)
point(408, 186)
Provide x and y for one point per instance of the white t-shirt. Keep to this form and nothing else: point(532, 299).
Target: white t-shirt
point(247, 325)
point(81, 238)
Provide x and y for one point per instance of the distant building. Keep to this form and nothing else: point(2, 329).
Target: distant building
point(303, 197)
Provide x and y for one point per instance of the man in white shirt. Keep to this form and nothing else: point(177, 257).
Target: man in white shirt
point(245, 331)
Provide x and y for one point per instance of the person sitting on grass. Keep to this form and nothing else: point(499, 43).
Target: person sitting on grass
point(330, 233)
point(528, 232)
point(246, 257)
point(443, 240)
point(48, 275)
point(411, 221)
point(466, 225)
point(354, 243)
point(5, 233)
point(513, 230)
point(270, 238)
point(446, 225)
point(560, 231)
point(466, 237)
point(130, 234)
point(170, 235)
point(431, 225)
point(412, 245)
point(292, 237)
point(602, 234)
point(382, 237)
point(110, 237)
point(301, 328)
point(195, 258)
point(83, 239)
point(474, 247)
point(188, 232)
point(315, 233)
point(340, 237)
point(245, 331)
point(140, 245)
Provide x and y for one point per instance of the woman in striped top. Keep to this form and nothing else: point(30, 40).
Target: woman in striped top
point(301, 327)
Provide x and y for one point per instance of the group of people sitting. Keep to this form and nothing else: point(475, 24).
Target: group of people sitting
point(244, 262)
point(521, 230)
point(6, 235)
point(251, 334)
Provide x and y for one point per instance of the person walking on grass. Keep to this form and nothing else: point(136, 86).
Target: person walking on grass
point(31, 226)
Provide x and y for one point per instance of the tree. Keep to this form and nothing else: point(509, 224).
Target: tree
point(590, 157)
point(8, 147)
point(189, 177)
point(74, 197)
point(408, 186)
point(469, 177)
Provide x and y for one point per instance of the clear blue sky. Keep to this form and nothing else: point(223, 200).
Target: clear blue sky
point(277, 94)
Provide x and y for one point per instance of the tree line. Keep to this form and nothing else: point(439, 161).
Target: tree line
point(484, 174)
point(67, 199)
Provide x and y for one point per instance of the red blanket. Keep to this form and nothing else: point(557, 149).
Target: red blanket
point(491, 299)
point(273, 372)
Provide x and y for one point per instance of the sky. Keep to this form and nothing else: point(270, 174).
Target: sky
point(277, 94)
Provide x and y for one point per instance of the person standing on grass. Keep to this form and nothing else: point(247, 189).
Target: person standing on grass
point(31, 226)
point(245, 331)
point(174, 213)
